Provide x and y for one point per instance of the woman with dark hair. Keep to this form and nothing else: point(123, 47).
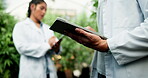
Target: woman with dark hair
point(35, 43)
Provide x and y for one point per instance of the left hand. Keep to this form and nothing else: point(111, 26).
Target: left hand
point(89, 39)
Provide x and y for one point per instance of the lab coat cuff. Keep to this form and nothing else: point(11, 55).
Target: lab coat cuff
point(47, 46)
point(112, 49)
point(111, 44)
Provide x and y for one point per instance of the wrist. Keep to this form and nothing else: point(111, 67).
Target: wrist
point(103, 46)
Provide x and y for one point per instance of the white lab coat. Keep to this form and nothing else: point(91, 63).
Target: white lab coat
point(125, 24)
point(32, 44)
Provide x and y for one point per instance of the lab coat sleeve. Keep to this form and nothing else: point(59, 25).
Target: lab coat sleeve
point(28, 48)
point(130, 46)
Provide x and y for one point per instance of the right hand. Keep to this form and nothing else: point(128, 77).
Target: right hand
point(88, 39)
point(52, 41)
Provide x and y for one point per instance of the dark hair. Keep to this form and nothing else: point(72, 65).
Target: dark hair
point(33, 2)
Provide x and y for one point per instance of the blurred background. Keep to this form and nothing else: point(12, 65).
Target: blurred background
point(75, 59)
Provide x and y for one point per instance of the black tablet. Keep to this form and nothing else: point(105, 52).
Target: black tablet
point(61, 25)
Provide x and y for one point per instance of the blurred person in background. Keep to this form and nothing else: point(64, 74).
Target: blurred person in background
point(35, 43)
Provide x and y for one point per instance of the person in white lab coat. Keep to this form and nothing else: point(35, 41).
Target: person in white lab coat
point(124, 54)
point(35, 43)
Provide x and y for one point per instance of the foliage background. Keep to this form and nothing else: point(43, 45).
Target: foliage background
point(8, 54)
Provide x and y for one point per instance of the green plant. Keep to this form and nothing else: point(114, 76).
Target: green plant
point(9, 57)
point(95, 5)
point(1, 5)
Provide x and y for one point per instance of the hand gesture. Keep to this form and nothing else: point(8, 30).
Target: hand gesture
point(89, 39)
point(52, 41)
